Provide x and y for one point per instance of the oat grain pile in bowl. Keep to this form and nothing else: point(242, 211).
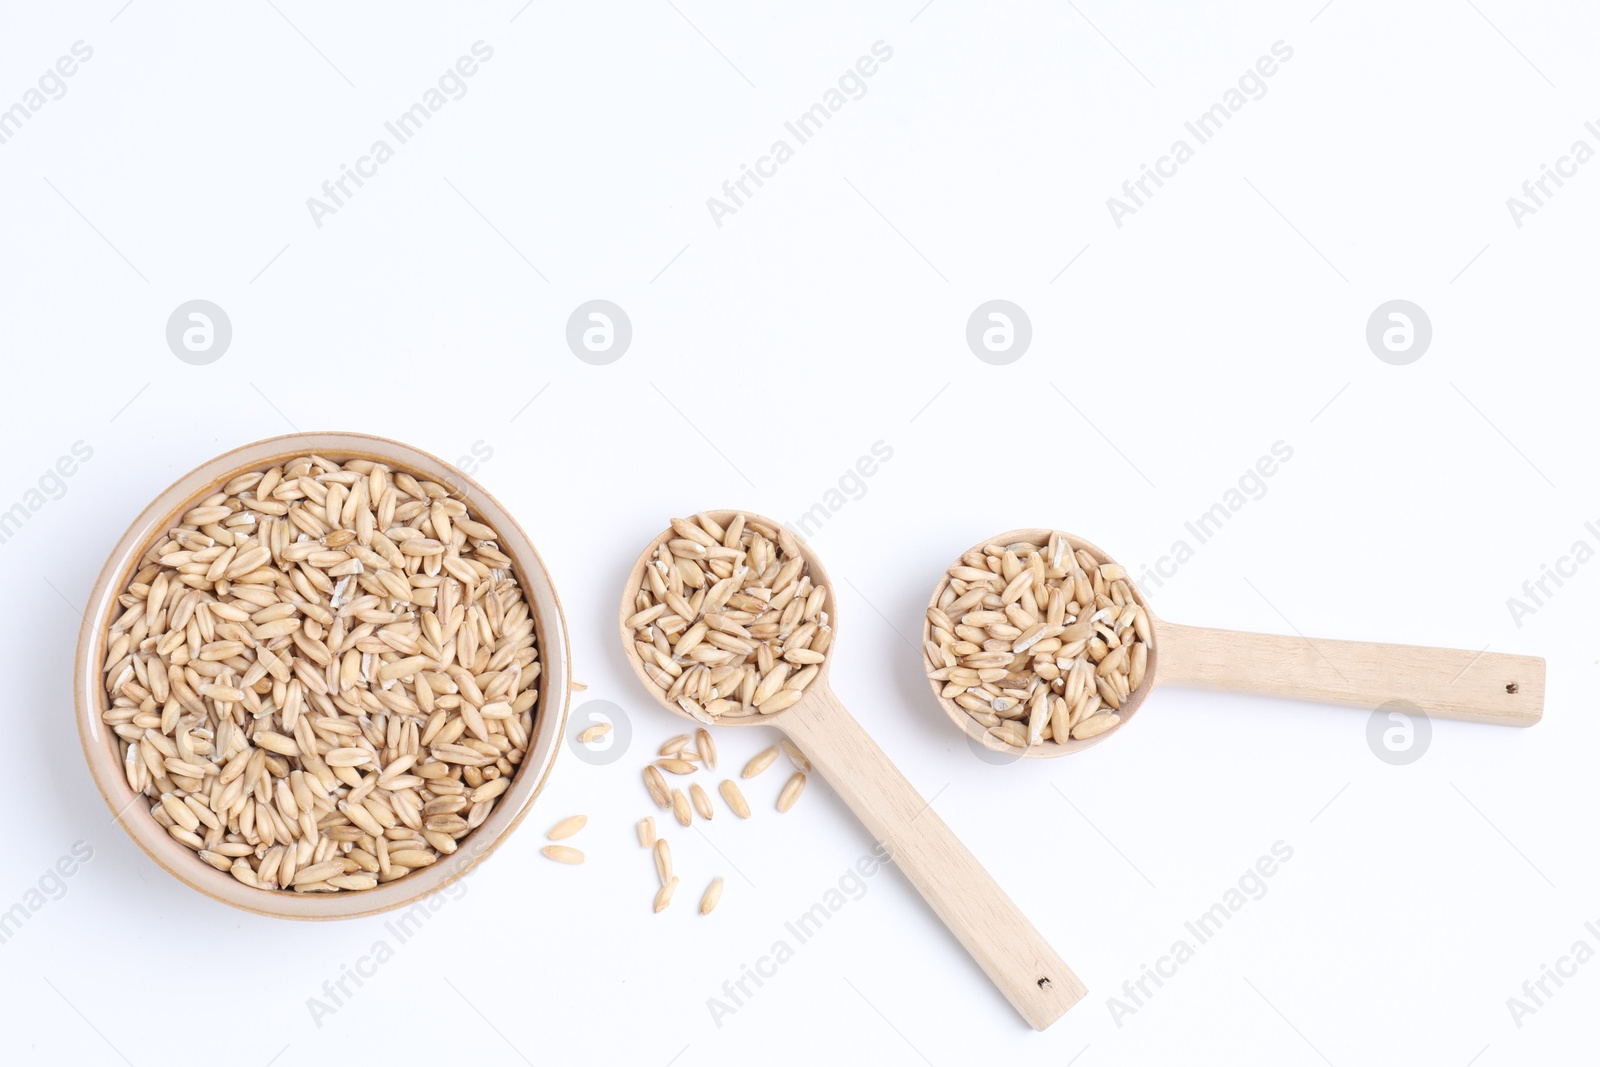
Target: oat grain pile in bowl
point(1040, 642)
point(322, 677)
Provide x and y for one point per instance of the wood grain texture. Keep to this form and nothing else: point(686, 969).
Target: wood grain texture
point(1014, 955)
point(1446, 683)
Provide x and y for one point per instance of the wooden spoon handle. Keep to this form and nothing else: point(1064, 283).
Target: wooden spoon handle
point(1019, 961)
point(1443, 682)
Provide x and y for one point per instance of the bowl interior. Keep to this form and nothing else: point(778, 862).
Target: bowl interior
point(974, 729)
point(819, 576)
point(162, 514)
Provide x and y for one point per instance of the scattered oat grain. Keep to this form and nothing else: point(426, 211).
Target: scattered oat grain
point(563, 854)
point(791, 791)
point(712, 895)
point(760, 762)
point(702, 800)
point(567, 827)
point(736, 801)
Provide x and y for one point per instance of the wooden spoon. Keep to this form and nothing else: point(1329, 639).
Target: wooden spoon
point(1019, 961)
point(1441, 682)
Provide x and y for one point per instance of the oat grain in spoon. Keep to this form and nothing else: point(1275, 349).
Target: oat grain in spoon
point(727, 620)
point(1038, 643)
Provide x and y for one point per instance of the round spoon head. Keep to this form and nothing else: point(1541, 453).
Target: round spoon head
point(980, 734)
point(790, 545)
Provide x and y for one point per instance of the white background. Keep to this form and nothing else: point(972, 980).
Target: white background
point(768, 354)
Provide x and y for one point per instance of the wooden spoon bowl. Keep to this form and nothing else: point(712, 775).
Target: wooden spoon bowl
point(976, 730)
point(819, 577)
point(1024, 967)
point(1442, 683)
